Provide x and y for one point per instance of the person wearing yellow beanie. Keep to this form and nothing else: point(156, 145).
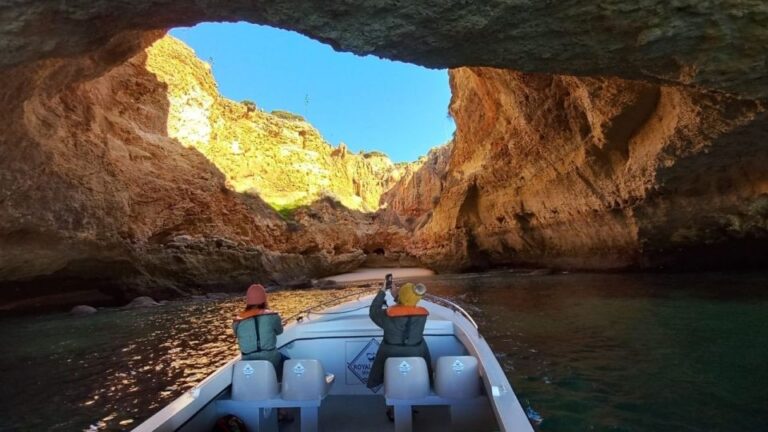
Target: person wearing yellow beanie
point(403, 325)
point(410, 294)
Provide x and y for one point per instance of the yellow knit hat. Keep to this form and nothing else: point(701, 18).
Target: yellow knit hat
point(410, 294)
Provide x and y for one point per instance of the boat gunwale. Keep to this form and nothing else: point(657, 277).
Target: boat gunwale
point(507, 409)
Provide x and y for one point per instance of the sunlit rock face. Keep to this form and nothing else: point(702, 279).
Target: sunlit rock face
point(279, 157)
point(410, 201)
point(121, 175)
point(712, 44)
point(130, 183)
point(598, 173)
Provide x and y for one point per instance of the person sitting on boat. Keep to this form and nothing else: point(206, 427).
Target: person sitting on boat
point(256, 329)
point(403, 326)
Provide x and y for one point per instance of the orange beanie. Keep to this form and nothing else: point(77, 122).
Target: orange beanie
point(255, 295)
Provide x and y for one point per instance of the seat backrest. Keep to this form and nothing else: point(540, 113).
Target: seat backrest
point(457, 377)
point(254, 380)
point(304, 379)
point(406, 378)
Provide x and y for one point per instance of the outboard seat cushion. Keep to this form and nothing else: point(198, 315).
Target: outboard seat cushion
point(406, 378)
point(254, 380)
point(305, 379)
point(457, 377)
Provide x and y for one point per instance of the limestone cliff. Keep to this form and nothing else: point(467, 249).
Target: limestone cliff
point(106, 183)
point(145, 180)
point(410, 201)
point(713, 44)
point(279, 157)
point(598, 173)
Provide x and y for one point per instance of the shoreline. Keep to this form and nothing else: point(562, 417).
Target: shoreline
point(377, 274)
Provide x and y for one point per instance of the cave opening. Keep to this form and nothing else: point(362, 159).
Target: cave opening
point(122, 147)
point(322, 123)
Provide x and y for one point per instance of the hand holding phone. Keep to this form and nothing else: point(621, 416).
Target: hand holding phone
point(388, 282)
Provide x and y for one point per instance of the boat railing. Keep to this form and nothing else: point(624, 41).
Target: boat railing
point(453, 306)
point(299, 316)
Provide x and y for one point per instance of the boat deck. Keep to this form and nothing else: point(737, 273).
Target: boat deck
point(343, 341)
point(356, 413)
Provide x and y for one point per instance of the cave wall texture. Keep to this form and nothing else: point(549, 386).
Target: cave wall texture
point(598, 173)
point(713, 44)
point(599, 135)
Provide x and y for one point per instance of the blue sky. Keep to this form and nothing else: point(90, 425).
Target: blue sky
point(366, 102)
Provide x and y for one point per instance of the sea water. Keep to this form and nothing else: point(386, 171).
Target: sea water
point(616, 352)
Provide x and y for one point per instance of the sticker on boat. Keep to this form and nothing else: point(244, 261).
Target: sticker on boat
point(458, 366)
point(360, 360)
point(248, 370)
point(299, 369)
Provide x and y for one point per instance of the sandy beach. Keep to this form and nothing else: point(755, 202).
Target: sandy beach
point(372, 274)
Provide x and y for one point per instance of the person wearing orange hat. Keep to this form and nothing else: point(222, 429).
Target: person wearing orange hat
point(403, 326)
point(256, 329)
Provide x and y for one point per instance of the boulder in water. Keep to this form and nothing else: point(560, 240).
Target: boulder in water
point(143, 301)
point(83, 310)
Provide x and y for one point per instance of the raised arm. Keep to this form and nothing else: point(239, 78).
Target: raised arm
point(376, 312)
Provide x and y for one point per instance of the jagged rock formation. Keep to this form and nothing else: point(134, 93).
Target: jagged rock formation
point(279, 157)
point(120, 184)
point(598, 173)
point(104, 184)
point(410, 201)
point(713, 44)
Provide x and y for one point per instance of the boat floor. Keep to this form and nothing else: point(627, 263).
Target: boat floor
point(344, 413)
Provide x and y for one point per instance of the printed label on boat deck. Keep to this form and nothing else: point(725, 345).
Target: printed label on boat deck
point(359, 361)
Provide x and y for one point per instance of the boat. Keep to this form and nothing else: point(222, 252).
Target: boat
point(331, 347)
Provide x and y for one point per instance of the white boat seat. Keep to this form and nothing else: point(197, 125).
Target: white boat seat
point(305, 380)
point(254, 380)
point(405, 379)
point(457, 377)
point(457, 385)
point(254, 383)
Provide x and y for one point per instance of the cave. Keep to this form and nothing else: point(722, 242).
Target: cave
point(628, 140)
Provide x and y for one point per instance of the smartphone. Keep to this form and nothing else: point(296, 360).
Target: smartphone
point(388, 281)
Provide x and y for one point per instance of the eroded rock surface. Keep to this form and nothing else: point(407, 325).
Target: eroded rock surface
point(277, 156)
point(410, 201)
point(598, 173)
point(145, 181)
point(108, 184)
point(713, 44)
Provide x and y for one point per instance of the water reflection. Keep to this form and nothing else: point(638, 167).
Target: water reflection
point(585, 352)
point(112, 370)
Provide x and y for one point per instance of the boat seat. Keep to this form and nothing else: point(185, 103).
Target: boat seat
point(254, 380)
point(305, 380)
point(457, 377)
point(457, 384)
point(406, 379)
point(256, 393)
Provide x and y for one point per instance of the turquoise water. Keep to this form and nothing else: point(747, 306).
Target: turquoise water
point(583, 352)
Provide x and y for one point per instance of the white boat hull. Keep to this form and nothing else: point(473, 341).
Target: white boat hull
point(342, 338)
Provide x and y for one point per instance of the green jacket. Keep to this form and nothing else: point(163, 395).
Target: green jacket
point(403, 337)
point(257, 337)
